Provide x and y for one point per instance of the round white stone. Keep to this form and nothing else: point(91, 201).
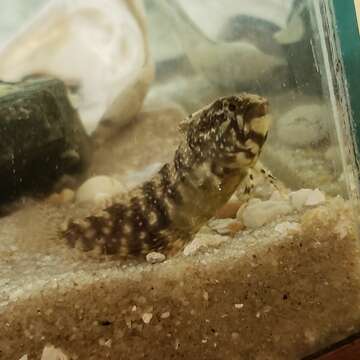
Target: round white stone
point(155, 257)
point(98, 188)
point(261, 213)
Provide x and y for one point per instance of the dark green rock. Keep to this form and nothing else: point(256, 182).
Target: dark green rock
point(41, 137)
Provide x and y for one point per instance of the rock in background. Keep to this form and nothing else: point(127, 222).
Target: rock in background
point(41, 137)
point(98, 48)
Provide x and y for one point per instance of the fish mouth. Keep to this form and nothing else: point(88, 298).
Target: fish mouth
point(256, 108)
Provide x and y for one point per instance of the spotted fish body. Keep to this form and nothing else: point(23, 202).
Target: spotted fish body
point(221, 142)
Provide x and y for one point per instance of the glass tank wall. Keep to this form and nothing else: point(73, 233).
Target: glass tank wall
point(280, 55)
point(149, 208)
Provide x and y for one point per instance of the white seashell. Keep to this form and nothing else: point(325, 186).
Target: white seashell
point(98, 45)
point(306, 197)
point(98, 188)
point(316, 197)
point(258, 214)
point(299, 197)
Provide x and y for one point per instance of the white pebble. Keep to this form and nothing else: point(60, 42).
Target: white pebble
point(204, 241)
point(285, 227)
point(316, 197)
point(146, 317)
point(155, 257)
point(97, 188)
point(298, 198)
point(239, 306)
point(165, 315)
point(304, 125)
point(259, 214)
point(52, 353)
point(306, 197)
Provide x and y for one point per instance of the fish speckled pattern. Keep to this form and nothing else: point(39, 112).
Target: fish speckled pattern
point(221, 143)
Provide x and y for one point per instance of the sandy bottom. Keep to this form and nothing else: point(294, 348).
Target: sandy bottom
point(268, 293)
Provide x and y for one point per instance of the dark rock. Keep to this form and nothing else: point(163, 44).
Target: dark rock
point(302, 49)
point(256, 31)
point(41, 137)
point(260, 33)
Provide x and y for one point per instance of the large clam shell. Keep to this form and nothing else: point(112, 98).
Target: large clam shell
point(98, 46)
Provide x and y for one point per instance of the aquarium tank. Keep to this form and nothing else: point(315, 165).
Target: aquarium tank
point(179, 179)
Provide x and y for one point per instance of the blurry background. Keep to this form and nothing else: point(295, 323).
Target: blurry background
point(14, 13)
point(201, 50)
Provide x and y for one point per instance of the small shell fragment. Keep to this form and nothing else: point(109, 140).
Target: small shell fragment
point(225, 226)
point(306, 197)
point(286, 227)
point(239, 306)
point(155, 257)
point(165, 315)
point(146, 318)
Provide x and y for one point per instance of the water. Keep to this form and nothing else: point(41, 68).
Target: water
point(268, 276)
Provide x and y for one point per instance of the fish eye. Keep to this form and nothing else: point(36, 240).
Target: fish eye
point(232, 107)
